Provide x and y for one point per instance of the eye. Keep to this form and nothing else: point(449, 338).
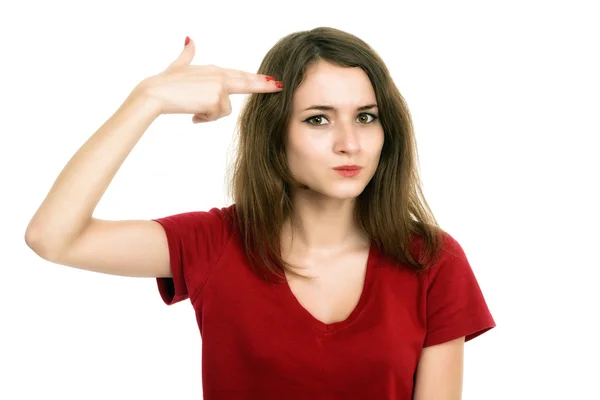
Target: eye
point(370, 115)
point(320, 116)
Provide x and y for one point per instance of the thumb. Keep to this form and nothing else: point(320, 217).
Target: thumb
point(186, 56)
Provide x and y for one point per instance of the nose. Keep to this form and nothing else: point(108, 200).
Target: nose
point(346, 139)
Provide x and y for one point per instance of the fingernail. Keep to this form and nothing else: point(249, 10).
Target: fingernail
point(187, 40)
point(279, 84)
point(269, 78)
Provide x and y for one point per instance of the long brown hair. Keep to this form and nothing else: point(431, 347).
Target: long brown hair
point(390, 210)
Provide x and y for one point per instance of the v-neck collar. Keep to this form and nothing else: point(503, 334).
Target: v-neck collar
point(317, 325)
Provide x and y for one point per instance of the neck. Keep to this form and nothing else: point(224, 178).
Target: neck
point(322, 226)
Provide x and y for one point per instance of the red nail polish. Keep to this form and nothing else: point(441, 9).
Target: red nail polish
point(187, 40)
point(279, 84)
point(269, 78)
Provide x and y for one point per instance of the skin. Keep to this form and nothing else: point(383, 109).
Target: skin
point(328, 244)
point(340, 137)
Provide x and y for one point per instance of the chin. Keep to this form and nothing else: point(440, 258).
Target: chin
point(345, 191)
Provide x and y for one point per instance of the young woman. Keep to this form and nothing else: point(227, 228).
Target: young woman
point(328, 277)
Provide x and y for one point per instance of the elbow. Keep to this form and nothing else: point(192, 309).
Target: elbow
point(38, 242)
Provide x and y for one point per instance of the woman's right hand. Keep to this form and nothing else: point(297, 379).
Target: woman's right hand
point(201, 90)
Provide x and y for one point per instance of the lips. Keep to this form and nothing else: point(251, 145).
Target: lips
point(347, 168)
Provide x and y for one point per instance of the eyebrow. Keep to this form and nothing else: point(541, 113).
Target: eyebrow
point(331, 108)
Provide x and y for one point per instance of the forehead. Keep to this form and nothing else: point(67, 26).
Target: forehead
point(328, 84)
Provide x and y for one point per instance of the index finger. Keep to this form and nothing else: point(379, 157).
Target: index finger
point(252, 84)
point(236, 73)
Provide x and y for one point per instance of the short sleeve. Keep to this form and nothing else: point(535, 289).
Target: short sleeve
point(456, 306)
point(196, 240)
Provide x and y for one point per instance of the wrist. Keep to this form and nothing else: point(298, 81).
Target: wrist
point(142, 99)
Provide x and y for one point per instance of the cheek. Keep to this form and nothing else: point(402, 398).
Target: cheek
point(376, 145)
point(304, 150)
point(306, 158)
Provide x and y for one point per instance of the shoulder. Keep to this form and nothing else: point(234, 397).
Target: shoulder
point(451, 260)
point(200, 236)
point(450, 254)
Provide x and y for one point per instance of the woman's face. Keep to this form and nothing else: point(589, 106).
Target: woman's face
point(320, 140)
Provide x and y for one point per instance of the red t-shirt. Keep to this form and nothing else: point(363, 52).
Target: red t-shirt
point(258, 342)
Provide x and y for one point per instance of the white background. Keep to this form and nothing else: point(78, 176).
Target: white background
point(505, 100)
